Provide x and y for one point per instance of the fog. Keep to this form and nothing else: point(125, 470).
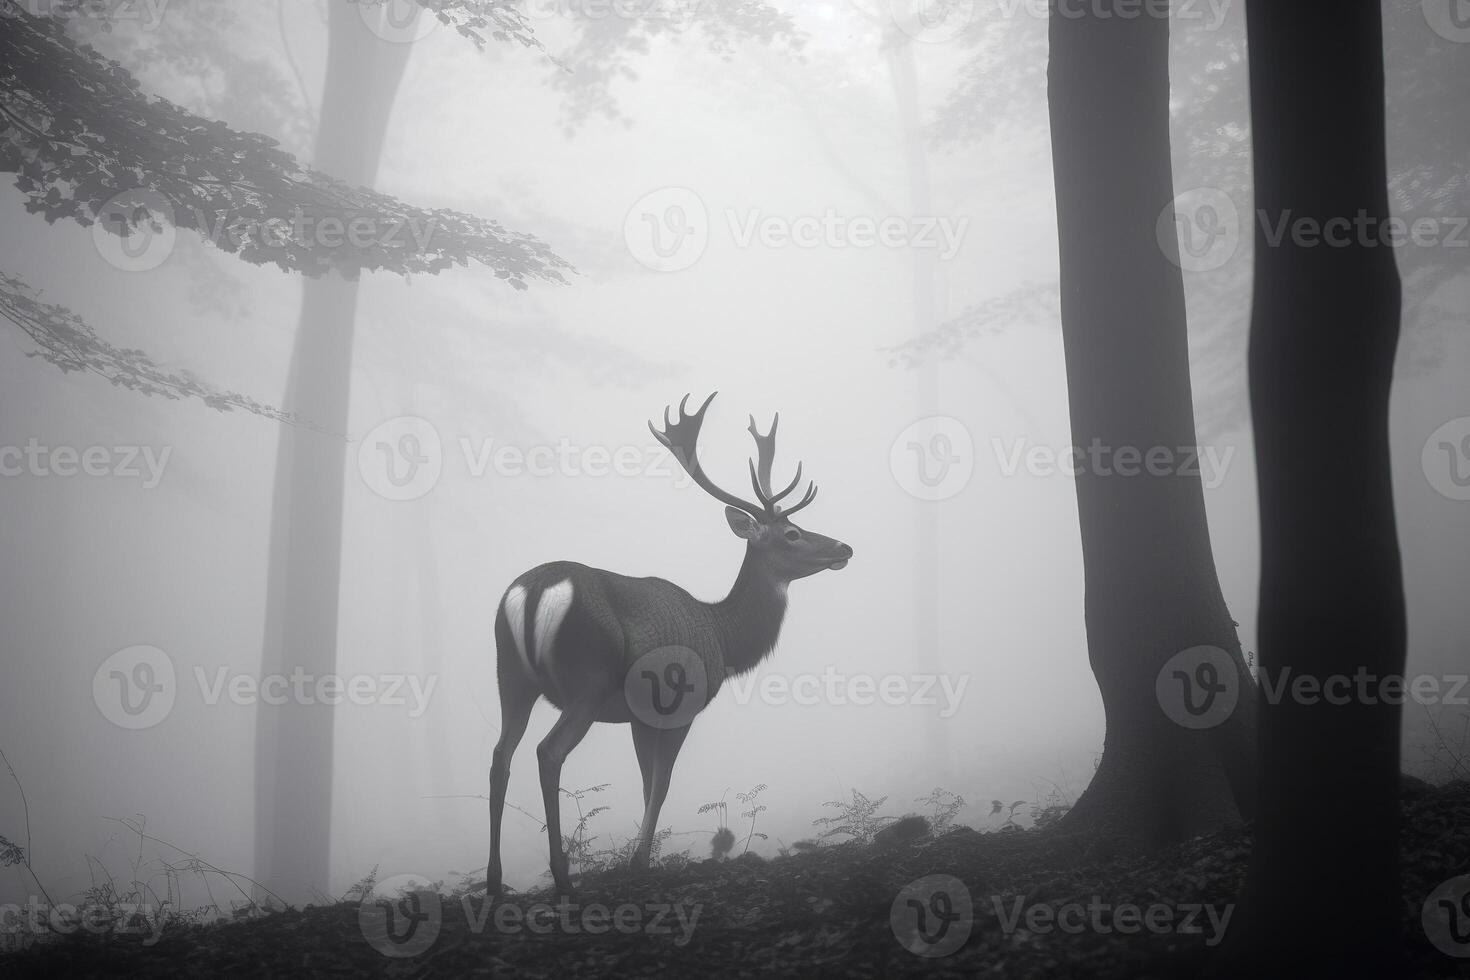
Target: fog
point(1003, 707)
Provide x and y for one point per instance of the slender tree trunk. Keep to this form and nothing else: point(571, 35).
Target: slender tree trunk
point(293, 763)
point(434, 775)
point(924, 289)
point(1323, 894)
point(1151, 587)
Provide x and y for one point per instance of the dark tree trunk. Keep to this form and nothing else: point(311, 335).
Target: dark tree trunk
point(293, 761)
point(1323, 893)
point(1152, 589)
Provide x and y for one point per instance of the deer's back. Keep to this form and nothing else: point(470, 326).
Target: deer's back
point(571, 627)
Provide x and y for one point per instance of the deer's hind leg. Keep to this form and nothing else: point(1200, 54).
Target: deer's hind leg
point(517, 697)
point(569, 730)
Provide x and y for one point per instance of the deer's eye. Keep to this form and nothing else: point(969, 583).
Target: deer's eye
point(792, 534)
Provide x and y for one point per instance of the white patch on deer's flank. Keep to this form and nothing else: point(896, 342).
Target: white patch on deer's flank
point(515, 614)
point(551, 609)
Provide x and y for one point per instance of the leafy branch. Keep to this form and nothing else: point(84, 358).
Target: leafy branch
point(77, 130)
point(66, 340)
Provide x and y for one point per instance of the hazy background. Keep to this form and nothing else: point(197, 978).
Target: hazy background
point(97, 564)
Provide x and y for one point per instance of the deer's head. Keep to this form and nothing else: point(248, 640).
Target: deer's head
point(790, 552)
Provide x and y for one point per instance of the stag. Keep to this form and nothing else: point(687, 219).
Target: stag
point(644, 652)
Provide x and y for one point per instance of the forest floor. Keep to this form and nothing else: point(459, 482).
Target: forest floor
point(837, 911)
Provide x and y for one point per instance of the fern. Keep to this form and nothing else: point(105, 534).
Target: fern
point(756, 809)
point(945, 806)
point(717, 806)
point(857, 818)
point(578, 844)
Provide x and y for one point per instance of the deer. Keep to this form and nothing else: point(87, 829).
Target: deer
point(604, 647)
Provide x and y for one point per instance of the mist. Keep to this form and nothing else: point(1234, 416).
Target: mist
point(857, 233)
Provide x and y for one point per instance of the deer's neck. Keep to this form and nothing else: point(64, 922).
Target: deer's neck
point(749, 618)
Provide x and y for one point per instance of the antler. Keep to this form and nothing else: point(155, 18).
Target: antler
point(765, 446)
point(681, 437)
point(808, 497)
point(760, 474)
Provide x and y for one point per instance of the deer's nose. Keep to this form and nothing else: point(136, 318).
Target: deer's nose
point(843, 550)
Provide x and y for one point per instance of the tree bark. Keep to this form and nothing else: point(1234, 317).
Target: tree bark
point(1151, 587)
point(294, 742)
point(1323, 893)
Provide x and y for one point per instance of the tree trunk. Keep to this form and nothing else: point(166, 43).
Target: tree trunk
point(924, 288)
point(1323, 893)
point(1151, 588)
point(293, 762)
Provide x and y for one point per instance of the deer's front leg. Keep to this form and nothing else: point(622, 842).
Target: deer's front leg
point(660, 747)
point(569, 729)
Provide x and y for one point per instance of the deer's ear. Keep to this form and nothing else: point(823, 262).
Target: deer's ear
point(742, 523)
